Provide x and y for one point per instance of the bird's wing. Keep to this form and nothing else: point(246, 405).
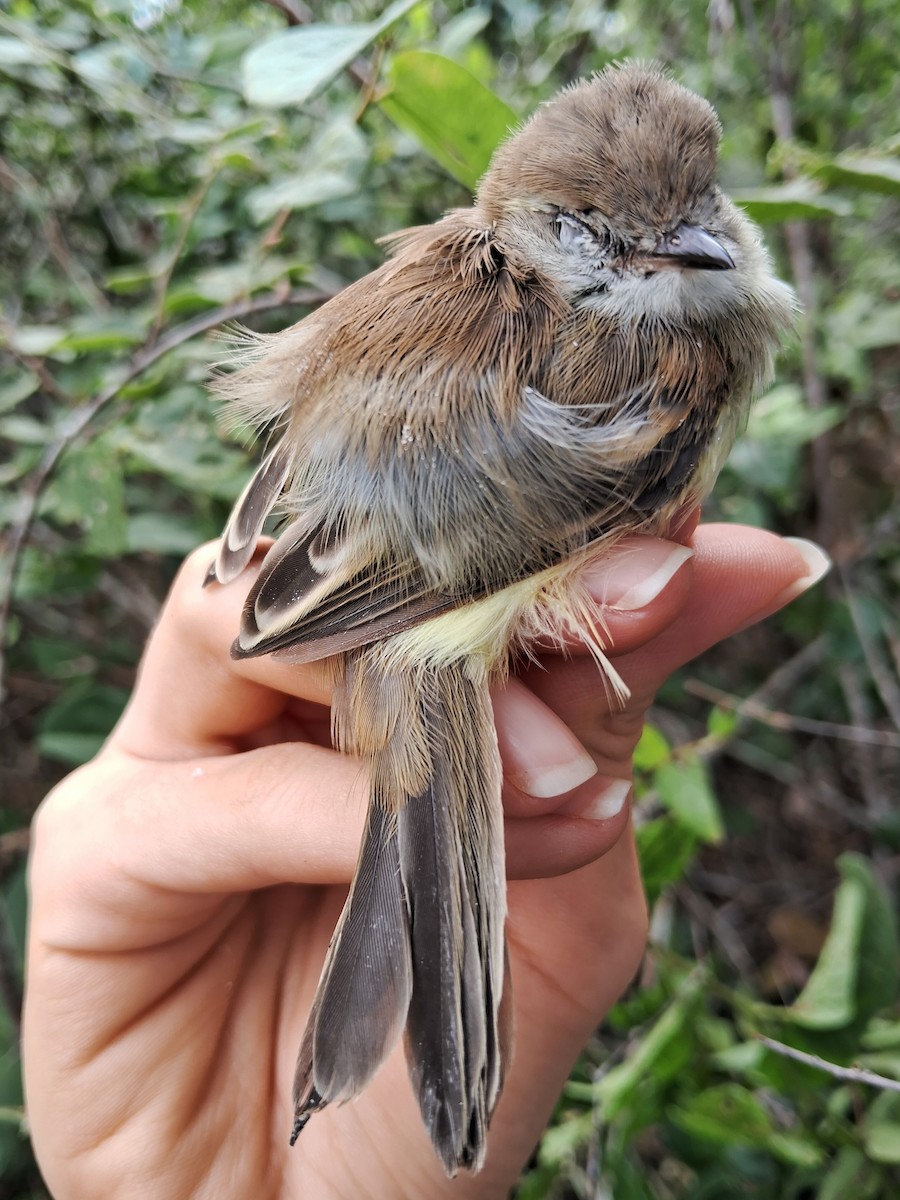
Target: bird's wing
point(552, 476)
point(306, 606)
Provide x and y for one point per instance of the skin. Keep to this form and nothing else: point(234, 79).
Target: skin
point(186, 882)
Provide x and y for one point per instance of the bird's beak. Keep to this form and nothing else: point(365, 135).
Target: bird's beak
point(691, 246)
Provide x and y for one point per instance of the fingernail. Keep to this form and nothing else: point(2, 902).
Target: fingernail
point(636, 572)
point(818, 565)
point(603, 805)
point(556, 780)
point(543, 757)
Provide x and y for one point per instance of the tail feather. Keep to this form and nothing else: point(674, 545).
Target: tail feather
point(421, 939)
point(363, 995)
point(451, 863)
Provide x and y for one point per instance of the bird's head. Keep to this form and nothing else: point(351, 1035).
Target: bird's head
point(610, 192)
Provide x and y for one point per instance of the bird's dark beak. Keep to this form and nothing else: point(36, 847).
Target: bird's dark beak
point(691, 246)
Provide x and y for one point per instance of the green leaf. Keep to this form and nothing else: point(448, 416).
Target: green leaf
point(74, 728)
point(850, 1174)
point(722, 722)
point(16, 53)
point(453, 115)
point(292, 66)
point(660, 1054)
point(857, 971)
point(865, 171)
point(684, 787)
point(163, 533)
point(652, 750)
point(96, 335)
point(782, 416)
point(665, 848)
point(334, 163)
point(17, 388)
point(728, 1114)
point(90, 492)
point(27, 431)
point(798, 200)
point(562, 1140)
point(35, 339)
point(881, 1129)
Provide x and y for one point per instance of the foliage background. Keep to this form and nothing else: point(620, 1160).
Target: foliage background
point(166, 167)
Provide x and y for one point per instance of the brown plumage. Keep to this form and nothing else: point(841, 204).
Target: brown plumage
point(524, 382)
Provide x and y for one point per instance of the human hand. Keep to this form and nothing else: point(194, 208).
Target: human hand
point(186, 882)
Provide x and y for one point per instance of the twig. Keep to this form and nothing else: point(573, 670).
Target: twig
point(79, 420)
point(779, 683)
point(751, 707)
point(851, 1074)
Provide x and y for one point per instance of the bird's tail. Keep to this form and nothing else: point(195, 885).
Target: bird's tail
point(420, 943)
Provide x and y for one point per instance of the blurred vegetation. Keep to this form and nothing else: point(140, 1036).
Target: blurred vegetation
point(165, 168)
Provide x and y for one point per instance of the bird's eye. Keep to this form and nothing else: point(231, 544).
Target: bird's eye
point(572, 230)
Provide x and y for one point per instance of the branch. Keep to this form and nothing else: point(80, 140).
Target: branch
point(756, 711)
point(779, 683)
point(81, 418)
point(851, 1074)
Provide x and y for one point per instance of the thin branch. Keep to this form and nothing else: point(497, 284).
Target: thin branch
point(757, 711)
point(779, 683)
point(81, 418)
point(850, 1074)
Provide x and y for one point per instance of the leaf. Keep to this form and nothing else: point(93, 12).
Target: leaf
point(684, 787)
point(16, 53)
point(881, 1129)
point(17, 388)
point(90, 492)
point(798, 200)
point(652, 750)
point(722, 722)
point(332, 169)
point(728, 1114)
point(35, 339)
point(665, 848)
point(866, 171)
point(660, 1054)
point(109, 335)
point(782, 416)
point(562, 1140)
point(291, 67)
point(850, 1174)
point(453, 115)
point(75, 727)
point(163, 533)
point(856, 974)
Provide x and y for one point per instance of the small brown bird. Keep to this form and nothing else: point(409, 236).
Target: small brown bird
point(525, 382)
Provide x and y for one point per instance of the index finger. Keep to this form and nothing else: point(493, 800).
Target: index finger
point(191, 698)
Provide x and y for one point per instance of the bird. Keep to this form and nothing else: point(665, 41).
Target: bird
point(518, 386)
